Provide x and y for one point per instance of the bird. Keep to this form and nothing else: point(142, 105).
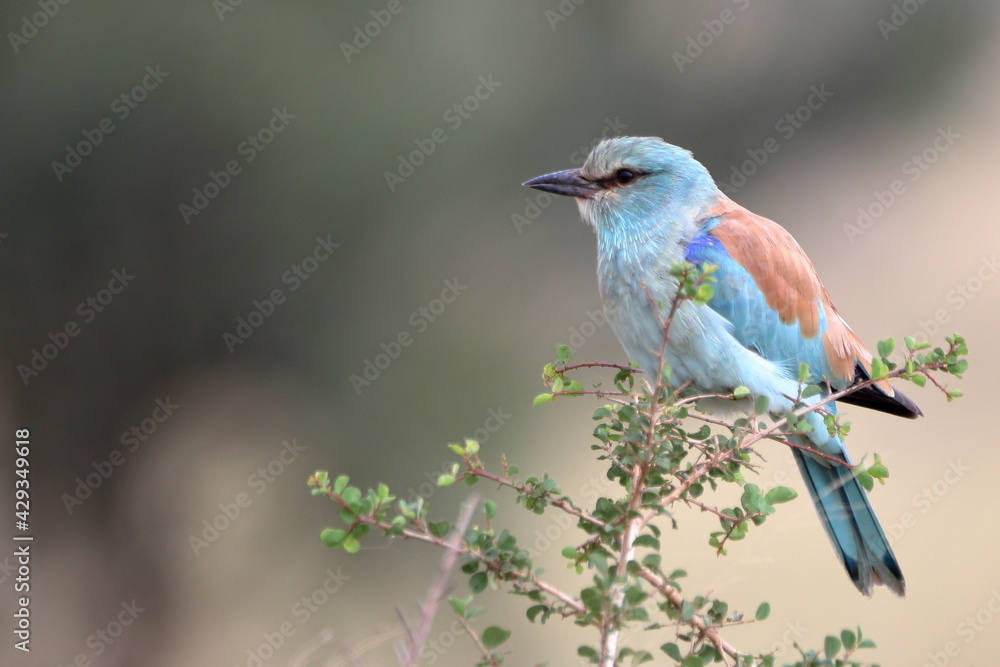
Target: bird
point(651, 206)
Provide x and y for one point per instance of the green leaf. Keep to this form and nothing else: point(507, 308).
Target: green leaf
point(879, 370)
point(803, 371)
point(456, 448)
point(564, 353)
point(535, 610)
point(332, 537)
point(780, 494)
point(763, 611)
point(340, 483)
point(866, 480)
point(446, 480)
point(494, 636)
point(687, 610)
point(741, 392)
point(471, 446)
point(438, 528)
point(692, 661)
point(459, 604)
point(588, 652)
point(911, 344)
point(570, 552)
point(671, 650)
point(478, 582)
point(919, 380)
point(541, 398)
point(760, 404)
point(885, 347)
point(647, 541)
point(848, 638)
point(831, 647)
point(490, 508)
point(351, 495)
point(351, 544)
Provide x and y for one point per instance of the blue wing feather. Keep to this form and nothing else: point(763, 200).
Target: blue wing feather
point(754, 324)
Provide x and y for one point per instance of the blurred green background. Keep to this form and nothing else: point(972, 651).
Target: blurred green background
point(308, 113)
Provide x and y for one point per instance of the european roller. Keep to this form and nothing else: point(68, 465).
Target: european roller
point(651, 204)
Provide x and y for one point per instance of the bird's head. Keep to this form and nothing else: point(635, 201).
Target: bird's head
point(636, 186)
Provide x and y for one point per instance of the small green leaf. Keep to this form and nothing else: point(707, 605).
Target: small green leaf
point(351, 544)
point(848, 638)
point(911, 344)
point(885, 347)
point(494, 636)
point(332, 537)
point(438, 528)
point(763, 611)
point(589, 653)
point(919, 380)
point(564, 353)
point(803, 371)
point(760, 404)
point(340, 483)
point(459, 605)
point(570, 552)
point(741, 392)
point(490, 508)
point(541, 398)
point(687, 611)
point(456, 448)
point(471, 446)
point(866, 480)
point(478, 582)
point(879, 371)
point(671, 650)
point(780, 494)
point(831, 647)
point(535, 610)
point(446, 480)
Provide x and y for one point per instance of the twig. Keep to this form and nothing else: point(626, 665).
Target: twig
point(436, 590)
point(477, 641)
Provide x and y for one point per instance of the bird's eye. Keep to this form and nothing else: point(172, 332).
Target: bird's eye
point(625, 176)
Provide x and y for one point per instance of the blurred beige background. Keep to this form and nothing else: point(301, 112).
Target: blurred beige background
point(276, 124)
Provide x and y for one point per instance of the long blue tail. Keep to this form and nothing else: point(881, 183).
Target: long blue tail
point(851, 524)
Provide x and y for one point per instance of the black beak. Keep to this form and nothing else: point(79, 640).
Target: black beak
point(568, 183)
